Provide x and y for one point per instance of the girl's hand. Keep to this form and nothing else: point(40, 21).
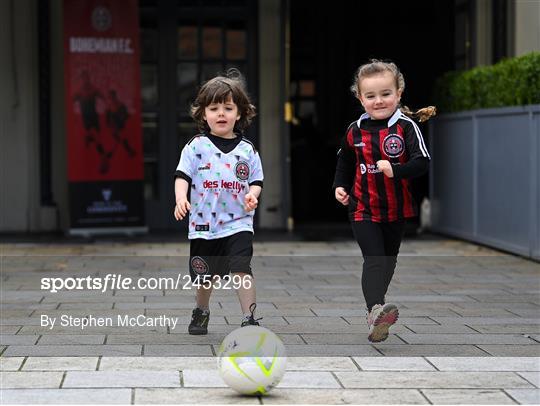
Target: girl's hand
point(181, 209)
point(385, 167)
point(250, 202)
point(342, 196)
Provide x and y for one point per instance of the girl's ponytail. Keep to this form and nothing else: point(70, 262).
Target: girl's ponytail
point(423, 114)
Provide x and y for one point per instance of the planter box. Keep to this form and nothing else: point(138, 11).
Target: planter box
point(485, 174)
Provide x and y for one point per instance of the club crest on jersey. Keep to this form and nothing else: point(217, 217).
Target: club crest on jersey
point(393, 145)
point(241, 170)
point(199, 265)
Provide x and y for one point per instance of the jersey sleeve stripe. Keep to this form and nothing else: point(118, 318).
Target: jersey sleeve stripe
point(421, 143)
point(194, 138)
point(244, 139)
point(350, 125)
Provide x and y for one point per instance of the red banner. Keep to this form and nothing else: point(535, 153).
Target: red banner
point(103, 112)
point(102, 85)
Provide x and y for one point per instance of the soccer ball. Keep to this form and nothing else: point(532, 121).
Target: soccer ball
point(252, 360)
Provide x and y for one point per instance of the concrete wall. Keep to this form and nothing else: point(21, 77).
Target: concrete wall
point(523, 29)
point(19, 138)
point(271, 209)
point(483, 28)
point(527, 26)
point(484, 179)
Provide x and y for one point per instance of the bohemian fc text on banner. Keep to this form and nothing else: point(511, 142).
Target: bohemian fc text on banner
point(103, 114)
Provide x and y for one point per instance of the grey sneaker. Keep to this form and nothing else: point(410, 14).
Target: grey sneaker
point(380, 319)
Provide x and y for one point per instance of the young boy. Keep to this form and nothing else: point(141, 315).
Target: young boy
point(223, 171)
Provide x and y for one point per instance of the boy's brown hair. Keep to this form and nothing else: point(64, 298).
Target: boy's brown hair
point(219, 90)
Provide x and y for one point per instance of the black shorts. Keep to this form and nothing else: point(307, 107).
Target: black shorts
point(221, 256)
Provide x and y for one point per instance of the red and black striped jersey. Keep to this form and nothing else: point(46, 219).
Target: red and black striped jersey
point(372, 195)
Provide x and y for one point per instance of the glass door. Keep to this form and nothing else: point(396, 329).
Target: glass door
point(182, 45)
point(207, 44)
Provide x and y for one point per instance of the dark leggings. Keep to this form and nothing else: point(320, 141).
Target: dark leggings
point(379, 243)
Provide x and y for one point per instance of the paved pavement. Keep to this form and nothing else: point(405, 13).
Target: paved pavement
point(468, 332)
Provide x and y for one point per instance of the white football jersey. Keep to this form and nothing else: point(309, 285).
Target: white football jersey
point(219, 183)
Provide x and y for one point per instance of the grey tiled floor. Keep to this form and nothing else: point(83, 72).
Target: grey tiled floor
point(468, 330)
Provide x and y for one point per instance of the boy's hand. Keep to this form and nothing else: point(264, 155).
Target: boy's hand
point(342, 196)
point(250, 202)
point(385, 167)
point(181, 209)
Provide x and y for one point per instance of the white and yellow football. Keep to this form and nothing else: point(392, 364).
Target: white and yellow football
point(252, 360)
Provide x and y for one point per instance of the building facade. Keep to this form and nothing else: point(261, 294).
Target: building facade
point(298, 61)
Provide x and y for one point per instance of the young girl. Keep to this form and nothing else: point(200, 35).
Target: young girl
point(224, 174)
point(379, 154)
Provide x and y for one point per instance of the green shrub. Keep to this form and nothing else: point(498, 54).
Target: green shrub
point(510, 82)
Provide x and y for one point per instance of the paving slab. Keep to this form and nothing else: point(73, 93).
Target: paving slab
point(468, 397)
point(94, 305)
point(525, 396)
point(466, 339)
point(430, 350)
point(344, 396)
point(505, 298)
point(149, 363)
point(188, 350)
point(160, 338)
point(484, 312)
point(15, 313)
point(393, 364)
point(352, 339)
point(320, 364)
point(309, 379)
point(218, 396)
point(18, 340)
point(329, 350)
point(486, 363)
point(511, 350)
point(73, 339)
point(506, 328)
point(478, 321)
point(436, 329)
point(72, 350)
point(19, 321)
point(314, 328)
point(13, 380)
point(121, 379)
point(524, 312)
point(202, 378)
point(184, 338)
point(532, 377)
point(10, 363)
point(438, 380)
point(60, 364)
point(66, 396)
point(9, 329)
